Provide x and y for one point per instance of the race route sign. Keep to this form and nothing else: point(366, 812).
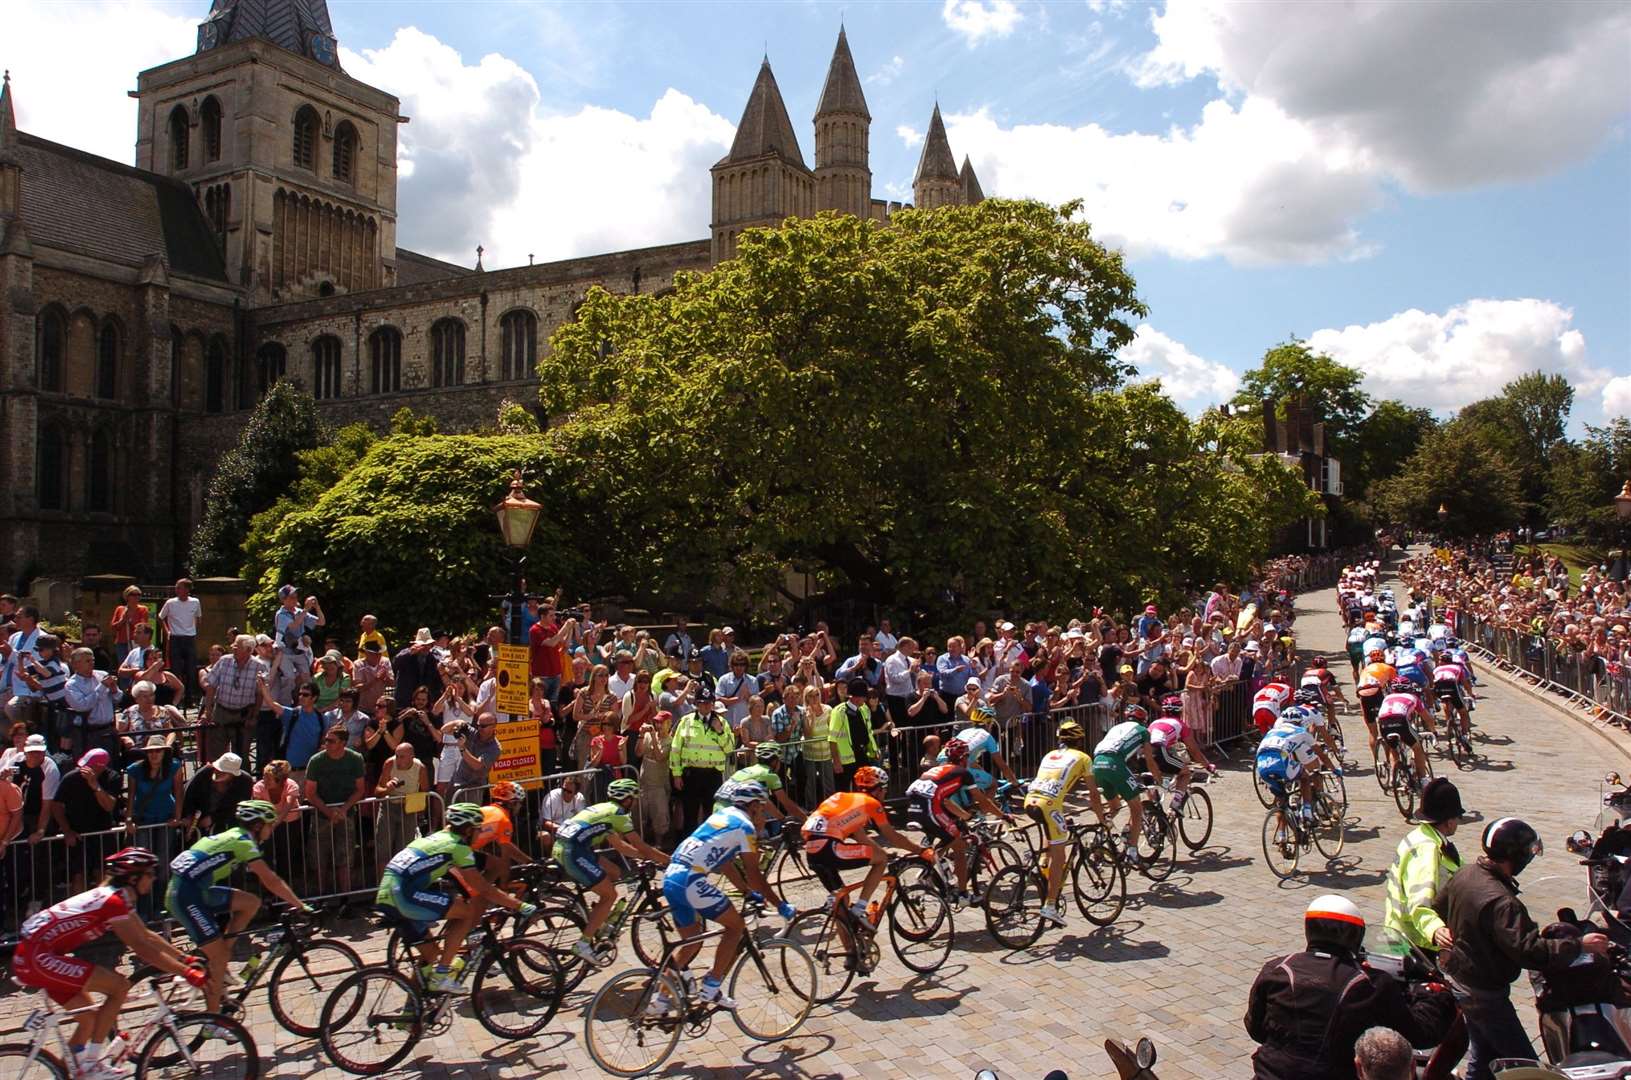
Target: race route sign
point(512, 696)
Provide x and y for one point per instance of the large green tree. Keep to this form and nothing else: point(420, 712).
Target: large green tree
point(1457, 468)
point(1526, 422)
point(1584, 478)
point(1329, 387)
point(1385, 440)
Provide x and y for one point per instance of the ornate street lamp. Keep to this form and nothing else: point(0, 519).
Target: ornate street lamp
point(517, 518)
point(1443, 513)
point(1622, 506)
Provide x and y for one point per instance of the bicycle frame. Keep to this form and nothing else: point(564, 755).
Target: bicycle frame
point(46, 1020)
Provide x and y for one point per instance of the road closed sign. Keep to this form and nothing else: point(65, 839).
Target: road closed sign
point(511, 696)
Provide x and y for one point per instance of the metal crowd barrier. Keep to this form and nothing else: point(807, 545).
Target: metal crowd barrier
point(1593, 681)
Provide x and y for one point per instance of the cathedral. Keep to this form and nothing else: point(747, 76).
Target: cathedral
point(144, 310)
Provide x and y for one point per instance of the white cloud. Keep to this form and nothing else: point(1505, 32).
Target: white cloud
point(888, 73)
point(485, 160)
point(909, 135)
point(1617, 397)
point(976, 20)
point(1449, 360)
point(1192, 381)
point(83, 102)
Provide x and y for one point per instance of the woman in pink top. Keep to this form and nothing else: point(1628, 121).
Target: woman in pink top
point(286, 850)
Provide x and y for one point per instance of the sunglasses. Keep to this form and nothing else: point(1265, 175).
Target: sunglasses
point(485, 727)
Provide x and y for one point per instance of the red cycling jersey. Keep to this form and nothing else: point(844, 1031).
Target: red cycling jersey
point(940, 783)
point(39, 963)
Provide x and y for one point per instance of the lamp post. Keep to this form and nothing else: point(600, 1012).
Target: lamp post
point(517, 518)
point(1622, 506)
point(1443, 516)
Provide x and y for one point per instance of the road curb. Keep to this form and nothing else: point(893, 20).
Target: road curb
point(1619, 741)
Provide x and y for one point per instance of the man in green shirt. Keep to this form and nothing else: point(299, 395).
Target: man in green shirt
point(334, 784)
point(767, 771)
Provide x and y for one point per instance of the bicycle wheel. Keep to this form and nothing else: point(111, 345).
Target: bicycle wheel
point(1195, 821)
point(20, 1061)
point(836, 962)
point(371, 1021)
point(1280, 848)
point(795, 881)
point(774, 990)
point(557, 928)
point(651, 929)
point(517, 989)
point(1158, 847)
point(921, 929)
point(1264, 795)
point(301, 982)
point(200, 1046)
point(1099, 883)
point(633, 1022)
point(1013, 903)
point(1330, 826)
point(1382, 767)
point(1337, 788)
point(1404, 789)
point(1336, 732)
point(399, 955)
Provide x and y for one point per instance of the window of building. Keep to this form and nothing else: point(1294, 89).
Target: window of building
point(519, 330)
point(385, 360)
point(271, 364)
point(447, 353)
point(53, 340)
point(209, 120)
point(217, 207)
point(53, 468)
point(107, 361)
point(215, 377)
point(345, 152)
point(325, 367)
point(305, 138)
point(178, 138)
point(177, 344)
point(99, 487)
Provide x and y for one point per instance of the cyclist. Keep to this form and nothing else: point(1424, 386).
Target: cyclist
point(494, 842)
point(1356, 648)
point(41, 961)
point(729, 832)
point(1413, 667)
point(1394, 715)
point(1457, 652)
point(1320, 676)
point(1371, 687)
point(196, 898)
point(577, 844)
point(835, 836)
point(1060, 771)
point(767, 772)
point(981, 740)
point(1267, 703)
point(1284, 754)
point(932, 800)
point(1167, 732)
point(1450, 687)
point(1316, 717)
point(1112, 775)
point(413, 890)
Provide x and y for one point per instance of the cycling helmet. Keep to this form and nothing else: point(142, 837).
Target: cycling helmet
point(462, 815)
point(256, 812)
point(1318, 661)
point(1172, 705)
point(1308, 696)
point(868, 777)
point(1450, 641)
point(1297, 714)
point(956, 751)
point(126, 863)
point(1512, 840)
point(507, 791)
point(983, 714)
point(747, 793)
point(1136, 712)
point(768, 751)
point(1334, 923)
point(1376, 656)
point(618, 790)
point(1071, 732)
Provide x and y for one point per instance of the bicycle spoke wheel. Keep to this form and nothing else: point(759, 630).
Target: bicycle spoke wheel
point(1337, 788)
point(1330, 826)
point(1158, 847)
point(200, 1046)
point(650, 931)
point(920, 875)
point(1264, 795)
point(302, 981)
point(816, 932)
point(19, 1061)
point(1099, 883)
point(921, 930)
point(399, 955)
point(517, 990)
point(1382, 767)
point(633, 1022)
point(1195, 822)
point(1280, 849)
point(371, 1021)
point(1404, 790)
point(557, 928)
point(795, 881)
point(1013, 907)
point(774, 991)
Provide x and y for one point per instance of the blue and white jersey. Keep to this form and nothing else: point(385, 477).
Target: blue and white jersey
point(983, 780)
point(725, 835)
point(1289, 742)
point(979, 740)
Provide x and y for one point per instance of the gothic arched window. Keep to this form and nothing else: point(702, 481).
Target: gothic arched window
point(271, 364)
point(385, 360)
point(99, 485)
point(52, 466)
point(325, 367)
point(305, 138)
point(345, 152)
point(215, 377)
point(53, 340)
point(107, 361)
point(178, 138)
point(447, 353)
point(209, 121)
point(519, 330)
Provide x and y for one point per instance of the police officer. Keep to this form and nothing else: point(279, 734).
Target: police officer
point(1493, 939)
point(1307, 1010)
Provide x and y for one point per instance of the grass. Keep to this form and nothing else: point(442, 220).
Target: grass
point(1575, 556)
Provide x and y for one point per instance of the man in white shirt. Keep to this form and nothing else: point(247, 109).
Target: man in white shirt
point(1006, 649)
point(885, 638)
point(899, 680)
point(22, 702)
point(1226, 666)
point(623, 673)
point(180, 615)
point(564, 801)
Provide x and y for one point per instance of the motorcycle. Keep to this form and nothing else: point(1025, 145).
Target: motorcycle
point(1585, 1009)
point(1136, 1064)
point(1607, 859)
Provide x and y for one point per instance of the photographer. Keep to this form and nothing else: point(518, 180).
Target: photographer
point(454, 720)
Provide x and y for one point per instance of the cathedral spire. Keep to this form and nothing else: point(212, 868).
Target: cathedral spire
point(936, 161)
point(765, 127)
point(842, 91)
point(8, 115)
point(971, 184)
point(300, 26)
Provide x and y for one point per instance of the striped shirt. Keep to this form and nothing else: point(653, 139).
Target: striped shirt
point(234, 684)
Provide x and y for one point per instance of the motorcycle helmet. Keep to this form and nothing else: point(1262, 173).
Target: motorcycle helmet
point(1334, 923)
point(1512, 840)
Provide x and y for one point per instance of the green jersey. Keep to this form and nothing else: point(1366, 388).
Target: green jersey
point(589, 828)
point(213, 858)
point(426, 860)
point(764, 774)
point(1123, 741)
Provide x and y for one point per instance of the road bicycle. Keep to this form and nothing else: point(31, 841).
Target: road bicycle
point(1289, 834)
point(842, 944)
point(1396, 769)
point(297, 971)
point(1194, 817)
point(1457, 737)
point(174, 1044)
point(1097, 872)
point(634, 1022)
point(786, 867)
point(988, 854)
point(1158, 839)
point(376, 1016)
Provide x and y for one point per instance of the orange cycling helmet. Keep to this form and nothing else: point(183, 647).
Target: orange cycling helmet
point(495, 825)
point(507, 791)
point(868, 777)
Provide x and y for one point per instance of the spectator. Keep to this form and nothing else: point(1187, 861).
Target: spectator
point(179, 615)
point(126, 617)
point(679, 642)
point(702, 747)
point(953, 671)
point(655, 743)
point(370, 635)
point(103, 656)
point(302, 731)
point(622, 679)
point(1226, 666)
point(212, 796)
point(333, 785)
point(716, 656)
point(885, 639)
point(735, 688)
point(330, 680)
point(145, 663)
point(152, 812)
point(542, 711)
point(863, 665)
point(817, 751)
point(544, 641)
point(234, 694)
point(1010, 695)
point(403, 776)
point(372, 675)
point(972, 698)
point(1383, 1054)
point(287, 851)
point(89, 697)
point(84, 804)
point(346, 714)
point(145, 718)
point(453, 718)
point(899, 679)
point(416, 667)
point(561, 803)
point(23, 703)
point(479, 750)
point(46, 676)
point(380, 738)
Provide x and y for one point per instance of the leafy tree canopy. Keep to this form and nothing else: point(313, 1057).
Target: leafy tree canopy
point(1584, 478)
point(1456, 467)
point(1330, 387)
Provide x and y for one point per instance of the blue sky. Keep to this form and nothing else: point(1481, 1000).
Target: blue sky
point(1438, 193)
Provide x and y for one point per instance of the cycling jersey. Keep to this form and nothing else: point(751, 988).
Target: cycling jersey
point(1414, 670)
point(1167, 729)
point(980, 742)
point(841, 816)
point(1374, 679)
point(1398, 706)
point(1449, 672)
point(928, 795)
point(1373, 643)
point(983, 780)
point(762, 774)
point(1045, 801)
point(1266, 704)
point(576, 841)
point(212, 859)
point(1283, 754)
point(1110, 758)
point(38, 962)
point(495, 827)
point(727, 834)
point(412, 884)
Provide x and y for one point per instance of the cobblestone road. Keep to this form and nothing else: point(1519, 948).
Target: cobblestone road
point(1176, 966)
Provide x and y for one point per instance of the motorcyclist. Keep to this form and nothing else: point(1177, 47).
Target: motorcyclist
point(1308, 1009)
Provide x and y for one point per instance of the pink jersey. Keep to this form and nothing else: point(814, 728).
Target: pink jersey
point(1168, 730)
point(1451, 672)
point(77, 920)
point(1404, 705)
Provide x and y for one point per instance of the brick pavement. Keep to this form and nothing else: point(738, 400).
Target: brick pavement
point(1176, 966)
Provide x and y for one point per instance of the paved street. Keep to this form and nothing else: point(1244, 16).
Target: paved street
point(1175, 967)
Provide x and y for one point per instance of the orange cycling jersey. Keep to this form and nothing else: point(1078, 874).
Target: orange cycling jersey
point(495, 825)
point(1375, 678)
point(843, 815)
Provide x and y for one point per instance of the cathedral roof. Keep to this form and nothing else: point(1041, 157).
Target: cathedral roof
point(301, 26)
point(842, 91)
point(87, 204)
point(936, 162)
point(971, 184)
point(765, 128)
point(413, 268)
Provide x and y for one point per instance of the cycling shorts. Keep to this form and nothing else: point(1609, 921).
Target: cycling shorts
point(420, 908)
point(692, 897)
point(581, 863)
point(1368, 705)
point(827, 857)
point(1113, 776)
point(61, 977)
point(1450, 690)
point(1397, 725)
point(937, 823)
point(1051, 816)
point(1168, 762)
point(198, 907)
point(1277, 770)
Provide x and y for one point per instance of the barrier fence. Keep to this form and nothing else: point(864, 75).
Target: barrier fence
point(1593, 681)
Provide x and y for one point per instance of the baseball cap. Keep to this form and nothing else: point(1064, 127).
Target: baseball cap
point(94, 757)
point(1149, 609)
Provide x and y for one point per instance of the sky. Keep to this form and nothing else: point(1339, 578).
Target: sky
point(1436, 192)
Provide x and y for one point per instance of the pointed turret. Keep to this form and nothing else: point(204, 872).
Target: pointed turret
point(763, 180)
point(937, 182)
point(8, 115)
point(765, 128)
point(301, 26)
point(972, 195)
point(841, 93)
point(843, 134)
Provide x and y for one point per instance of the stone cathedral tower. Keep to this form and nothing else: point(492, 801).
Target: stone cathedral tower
point(842, 135)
